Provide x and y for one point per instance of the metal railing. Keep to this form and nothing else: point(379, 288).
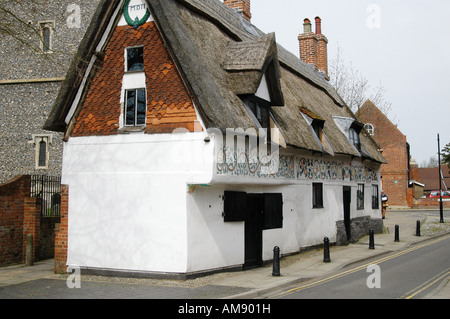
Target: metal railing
point(48, 188)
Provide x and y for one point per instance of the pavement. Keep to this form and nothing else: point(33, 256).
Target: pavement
point(39, 281)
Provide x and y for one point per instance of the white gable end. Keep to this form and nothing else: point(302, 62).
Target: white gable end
point(263, 90)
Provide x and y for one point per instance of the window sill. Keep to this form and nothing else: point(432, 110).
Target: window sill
point(136, 71)
point(132, 129)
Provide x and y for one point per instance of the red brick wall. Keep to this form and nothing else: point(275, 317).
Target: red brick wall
point(429, 203)
point(395, 172)
point(61, 233)
point(20, 215)
point(11, 230)
point(169, 105)
point(32, 224)
point(11, 220)
point(308, 48)
point(314, 47)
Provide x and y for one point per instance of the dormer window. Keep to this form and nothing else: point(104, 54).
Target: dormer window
point(317, 127)
point(354, 138)
point(261, 111)
point(353, 134)
point(135, 59)
point(316, 124)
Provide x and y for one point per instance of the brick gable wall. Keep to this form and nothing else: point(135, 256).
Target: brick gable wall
point(395, 151)
point(169, 105)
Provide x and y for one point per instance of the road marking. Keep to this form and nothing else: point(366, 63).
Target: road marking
point(356, 269)
point(427, 284)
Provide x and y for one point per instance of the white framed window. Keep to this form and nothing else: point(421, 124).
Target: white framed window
point(41, 156)
point(354, 138)
point(375, 197)
point(360, 197)
point(135, 107)
point(134, 59)
point(46, 33)
point(317, 189)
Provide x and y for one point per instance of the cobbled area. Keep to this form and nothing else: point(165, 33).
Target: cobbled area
point(433, 227)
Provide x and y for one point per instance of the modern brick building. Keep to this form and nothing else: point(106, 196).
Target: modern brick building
point(393, 143)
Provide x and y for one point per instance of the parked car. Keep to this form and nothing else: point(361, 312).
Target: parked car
point(435, 194)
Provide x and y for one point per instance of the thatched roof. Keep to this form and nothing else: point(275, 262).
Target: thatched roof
point(222, 56)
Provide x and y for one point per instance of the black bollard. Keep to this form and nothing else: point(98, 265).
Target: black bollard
point(397, 238)
point(418, 228)
point(371, 240)
point(326, 250)
point(276, 262)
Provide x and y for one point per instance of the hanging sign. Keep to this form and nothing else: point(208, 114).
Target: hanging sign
point(136, 12)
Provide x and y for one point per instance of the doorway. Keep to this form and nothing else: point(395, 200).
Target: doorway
point(258, 212)
point(254, 231)
point(347, 199)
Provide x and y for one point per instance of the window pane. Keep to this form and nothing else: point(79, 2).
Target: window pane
point(354, 138)
point(375, 197)
point(141, 107)
point(130, 107)
point(135, 59)
point(46, 39)
point(42, 154)
point(360, 196)
point(317, 195)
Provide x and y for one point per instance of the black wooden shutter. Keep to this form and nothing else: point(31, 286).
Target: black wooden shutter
point(273, 211)
point(234, 206)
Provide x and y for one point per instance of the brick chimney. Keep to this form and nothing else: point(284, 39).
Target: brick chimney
point(313, 46)
point(242, 6)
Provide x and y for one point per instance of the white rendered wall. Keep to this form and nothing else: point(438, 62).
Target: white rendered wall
point(144, 202)
point(127, 199)
point(213, 243)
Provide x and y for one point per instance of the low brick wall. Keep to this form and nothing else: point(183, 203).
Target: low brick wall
point(20, 215)
point(61, 233)
point(429, 203)
point(12, 207)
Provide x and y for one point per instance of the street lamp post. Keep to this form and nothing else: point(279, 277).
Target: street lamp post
point(441, 209)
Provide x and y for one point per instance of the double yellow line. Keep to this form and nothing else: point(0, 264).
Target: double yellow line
point(426, 284)
point(378, 261)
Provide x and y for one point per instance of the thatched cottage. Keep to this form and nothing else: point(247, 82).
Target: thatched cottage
point(195, 143)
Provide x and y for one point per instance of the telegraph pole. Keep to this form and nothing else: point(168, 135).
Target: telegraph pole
point(441, 209)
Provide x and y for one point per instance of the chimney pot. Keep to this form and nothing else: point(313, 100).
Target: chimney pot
point(307, 26)
point(318, 25)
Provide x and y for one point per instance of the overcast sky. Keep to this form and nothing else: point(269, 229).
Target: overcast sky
point(402, 44)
